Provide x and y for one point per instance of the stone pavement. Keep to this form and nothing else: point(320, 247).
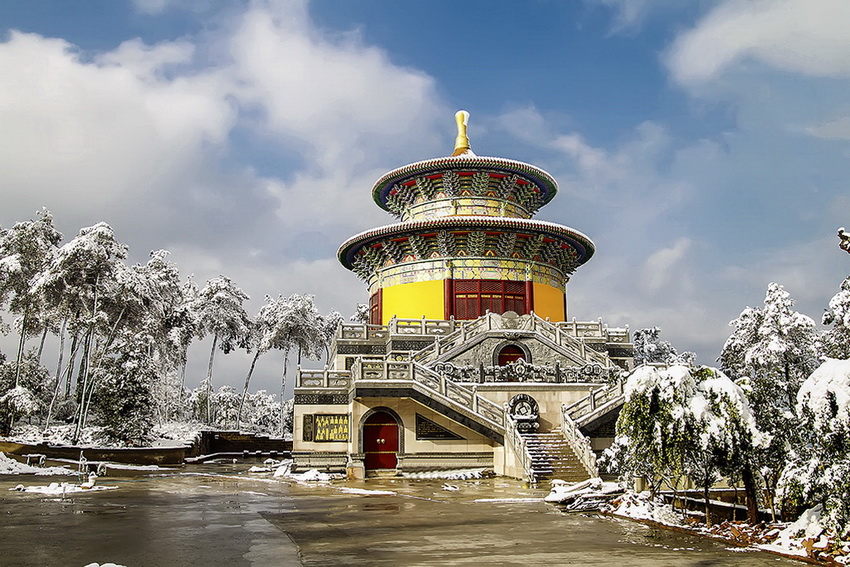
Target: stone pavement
point(221, 515)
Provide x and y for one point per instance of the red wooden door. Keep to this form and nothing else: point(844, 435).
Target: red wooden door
point(380, 441)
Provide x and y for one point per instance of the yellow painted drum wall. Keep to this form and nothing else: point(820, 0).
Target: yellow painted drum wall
point(549, 302)
point(413, 301)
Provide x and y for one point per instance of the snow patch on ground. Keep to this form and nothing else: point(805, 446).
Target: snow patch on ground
point(60, 488)
point(364, 491)
point(565, 491)
point(641, 507)
point(457, 474)
point(9, 465)
point(173, 434)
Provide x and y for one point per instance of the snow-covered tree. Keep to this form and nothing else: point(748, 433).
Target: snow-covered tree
point(123, 399)
point(328, 325)
point(221, 313)
point(820, 469)
point(770, 353)
point(225, 405)
point(835, 342)
point(652, 430)
point(25, 251)
point(297, 325)
point(722, 431)
point(361, 314)
point(650, 348)
point(29, 396)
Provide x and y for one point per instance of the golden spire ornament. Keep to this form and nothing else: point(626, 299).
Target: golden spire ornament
point(462, 140)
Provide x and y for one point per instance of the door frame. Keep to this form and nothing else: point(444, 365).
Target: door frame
point(366, 415)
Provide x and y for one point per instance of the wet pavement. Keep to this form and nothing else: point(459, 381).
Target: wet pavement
point(215, 515)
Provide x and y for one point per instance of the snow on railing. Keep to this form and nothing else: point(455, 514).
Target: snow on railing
point(579, 443)
point(519, 447)
point(323, 378)
point(406, 370)
point(596, 399)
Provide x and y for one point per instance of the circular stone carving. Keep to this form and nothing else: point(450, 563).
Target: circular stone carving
point(523, 409)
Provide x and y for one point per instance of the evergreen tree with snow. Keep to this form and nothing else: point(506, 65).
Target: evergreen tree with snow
point(835, 342)
point(123, 401)
point(221, 313)
point(650, 348)
point(770, 352)
point(297, 325)
point(819, 473)
point(361, 314)
point(26, 250)
point(653, 426)
point(722, 431)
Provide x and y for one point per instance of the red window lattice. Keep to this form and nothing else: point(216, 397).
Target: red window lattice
point(473, 298)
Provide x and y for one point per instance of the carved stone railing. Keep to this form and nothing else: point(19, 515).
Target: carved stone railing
point(405, 370)
point(362, 331)
point(427, 327)
point(519, 447)
point(567, 335)
point(520, 371)
point(579, 443)
point(581, 410)
point(323, 379)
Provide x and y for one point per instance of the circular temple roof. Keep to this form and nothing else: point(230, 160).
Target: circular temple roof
point(544, 182)
point(580, 243)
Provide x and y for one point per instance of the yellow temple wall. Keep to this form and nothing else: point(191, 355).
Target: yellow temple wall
point(413, 301)
point(549, 302)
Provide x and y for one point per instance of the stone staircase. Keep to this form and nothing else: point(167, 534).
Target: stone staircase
point(552, 457)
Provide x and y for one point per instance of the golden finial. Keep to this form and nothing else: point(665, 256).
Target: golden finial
point(462, 140)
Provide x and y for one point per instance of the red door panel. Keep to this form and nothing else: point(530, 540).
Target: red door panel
point(380, 441)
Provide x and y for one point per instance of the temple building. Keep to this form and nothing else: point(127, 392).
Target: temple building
point(468, 359)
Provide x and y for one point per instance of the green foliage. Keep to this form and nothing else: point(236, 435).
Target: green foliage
point(123, 400)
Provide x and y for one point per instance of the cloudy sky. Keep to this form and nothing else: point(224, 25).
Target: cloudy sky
point(703, 145)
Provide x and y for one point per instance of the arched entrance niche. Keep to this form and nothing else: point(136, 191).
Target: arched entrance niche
point(381, 439)
point(510, 352)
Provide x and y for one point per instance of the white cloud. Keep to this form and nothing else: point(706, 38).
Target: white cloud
point(837, 129)
point(630, 14)
point(142, 136)
point(808, 37)
point(663, 269)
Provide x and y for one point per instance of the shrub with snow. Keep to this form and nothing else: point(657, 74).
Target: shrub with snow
point(819, 472)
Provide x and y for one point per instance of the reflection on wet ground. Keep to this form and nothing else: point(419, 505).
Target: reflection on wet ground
point(222, 515)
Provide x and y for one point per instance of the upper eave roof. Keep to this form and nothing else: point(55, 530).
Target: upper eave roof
point(465, 162)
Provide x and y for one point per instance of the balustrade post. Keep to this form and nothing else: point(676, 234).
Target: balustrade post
point(592, 400)
point(443, 384)
point(437, 346)
point(325, 376)
point(475, 399)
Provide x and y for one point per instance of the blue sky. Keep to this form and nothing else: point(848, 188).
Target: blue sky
point(703, 145)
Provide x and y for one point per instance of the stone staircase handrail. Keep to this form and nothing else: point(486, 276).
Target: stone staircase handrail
point(407, 370)
point(596, 399)
point(579, 442)
point(519, 445)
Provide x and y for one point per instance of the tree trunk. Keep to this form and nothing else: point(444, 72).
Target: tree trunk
point(282, 389)
point(87, 358)
point(69, 374)
point(209, 375)
point(245, 389)
point(41, 343)
point(705, 495)
point(61, 352)
point(751, 496)
point(21, 348)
